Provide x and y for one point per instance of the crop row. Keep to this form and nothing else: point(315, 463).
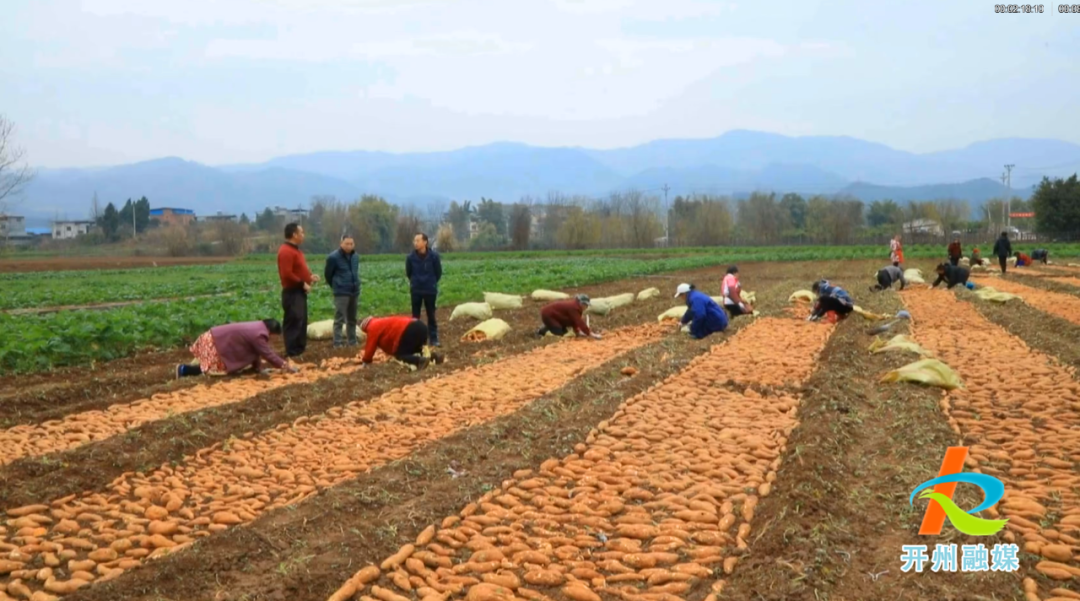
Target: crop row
point(40, 342)
point(64, 544)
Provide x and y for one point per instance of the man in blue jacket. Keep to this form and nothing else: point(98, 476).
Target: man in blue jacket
point(702, 313)
point(424, 270)
point(343, 275)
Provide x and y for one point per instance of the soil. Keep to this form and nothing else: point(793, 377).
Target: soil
point(17, 265)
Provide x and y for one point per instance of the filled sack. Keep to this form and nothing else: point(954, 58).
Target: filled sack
point(930, 372)
point(503, 302)
point(492, 329)
point(605, 305)
point(672, 314)
point(479, 311)
point(648, 293)
point(549, 295)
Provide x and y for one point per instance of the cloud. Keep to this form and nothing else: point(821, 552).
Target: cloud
point(303, 48)
point(646, 9)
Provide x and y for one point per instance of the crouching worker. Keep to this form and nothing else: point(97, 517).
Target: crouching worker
point(831, 298)
point(233, 347)
point(564, 316)
point(887, 276)
point(400, 337)
point(951, 275)
point(1022, 260)
point(702, 313)
point(1040, 254)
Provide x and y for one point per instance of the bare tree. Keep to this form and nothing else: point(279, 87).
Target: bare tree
point(408, 225)
point(15, 173)
point(520, 226)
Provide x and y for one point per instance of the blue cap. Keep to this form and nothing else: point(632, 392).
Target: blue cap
point(971, 285)
point(904, 315)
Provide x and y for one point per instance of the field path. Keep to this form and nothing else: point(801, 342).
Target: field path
point(97, 536)
point(658, 497)
point(1065, 306)
point(1021, 420)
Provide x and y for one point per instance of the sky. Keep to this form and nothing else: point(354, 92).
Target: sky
point(104, 82)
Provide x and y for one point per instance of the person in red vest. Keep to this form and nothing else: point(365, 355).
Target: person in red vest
point(296, 282)
point(1022, 260)
point(564, 316)
point(401, 337)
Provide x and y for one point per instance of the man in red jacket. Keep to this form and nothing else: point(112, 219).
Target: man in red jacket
point(562, 316)
point(403, 338)
point(296, 282)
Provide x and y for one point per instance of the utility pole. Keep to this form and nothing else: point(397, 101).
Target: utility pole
point(1005, 200)
point(667, 217)
point(1008, 176)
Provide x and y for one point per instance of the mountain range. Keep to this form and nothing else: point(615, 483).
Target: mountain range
point(734, 163)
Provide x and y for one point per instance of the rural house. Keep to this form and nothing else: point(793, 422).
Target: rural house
point(171, 216)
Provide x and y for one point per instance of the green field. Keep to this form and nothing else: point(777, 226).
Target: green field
point(248, 289)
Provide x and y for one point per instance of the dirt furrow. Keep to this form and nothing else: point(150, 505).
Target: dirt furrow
point(97, 536)
point(77, 429)
point(1065, 306)
point(657, 500)
point(1068, 281)
point(1022, 422)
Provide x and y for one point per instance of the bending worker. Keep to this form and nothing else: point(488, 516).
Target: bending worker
point(886, 276)
point(732, 291)
point(951, 275)
point(233, 347)
point(831, 298)
point(563, 316)
point(702, 313)
point(1022, 260)
point(400, 337)
point(1040, 254)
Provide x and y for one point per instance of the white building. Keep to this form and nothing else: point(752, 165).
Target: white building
point(288, 215)
point(66, 230)
point(12, 226)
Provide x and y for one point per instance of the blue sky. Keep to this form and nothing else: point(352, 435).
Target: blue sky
point(99, 82)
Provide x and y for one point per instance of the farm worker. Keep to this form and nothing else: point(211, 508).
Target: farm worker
point(955, 251)
point(561, 316)
point(702, 313)
point(976, 257)
point(732, 291)
point(343, 275)
point(886, 276)
point(951, 275)
point(896, 251)
point(296, 282)
point(1022, 260)
point(1040, 254)
point(401, 337)
point(424, 270)
point(831, 298)
point(1003, 248)
point(233, 347)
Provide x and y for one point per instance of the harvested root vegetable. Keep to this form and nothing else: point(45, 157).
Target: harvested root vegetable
point(666, 481)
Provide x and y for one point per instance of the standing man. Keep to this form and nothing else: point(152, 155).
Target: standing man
point(296, 282)
point(1003, 248)
point(424, 270)
point(955, 250)
point(343, 275)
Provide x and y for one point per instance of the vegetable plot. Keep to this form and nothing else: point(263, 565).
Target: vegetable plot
point(1065, 306)
point(97, 536)
point(657, 501)
point(1022, 422)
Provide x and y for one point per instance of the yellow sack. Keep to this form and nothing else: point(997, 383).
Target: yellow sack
point(672, 314)
point(926, 371)
point(869, 315)
point(500, 302)
point(647, 294)
point(749, 297)
point(321, 330)
point(479, 311)
point(802, 295)
point(899, 342)
point(987, 293)
point(603, 306)
point(1011, 261)
point(492, 329)
point(1073, 264)
point(914, 276)
point(966, 262)
point(549, 295)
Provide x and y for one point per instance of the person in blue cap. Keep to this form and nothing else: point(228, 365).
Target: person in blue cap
point(830, 298)
point(702, 313)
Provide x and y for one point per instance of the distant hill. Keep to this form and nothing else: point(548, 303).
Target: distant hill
point(733, 163)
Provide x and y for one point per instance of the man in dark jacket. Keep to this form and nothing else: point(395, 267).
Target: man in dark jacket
point(1003, 248)
point(343, 275)
point(424, 270)
point(1040, 254)
point(296, 282)
point(951, 275)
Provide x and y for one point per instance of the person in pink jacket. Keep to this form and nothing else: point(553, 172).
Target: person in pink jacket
point(234, 347)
